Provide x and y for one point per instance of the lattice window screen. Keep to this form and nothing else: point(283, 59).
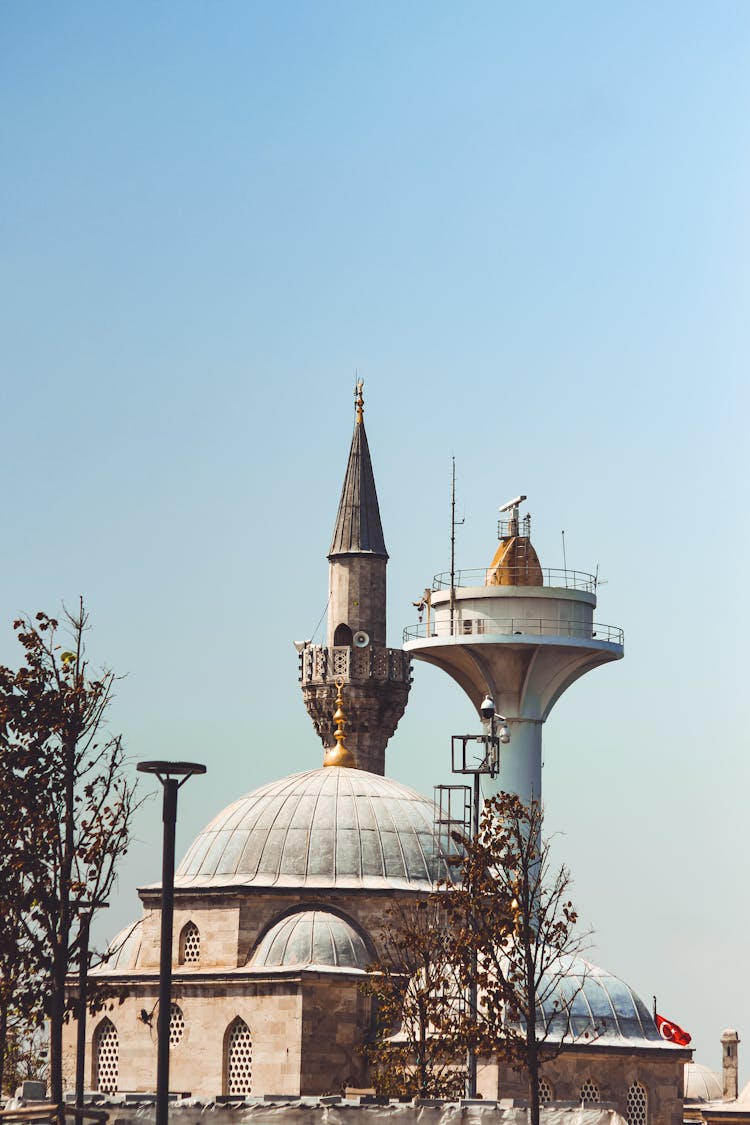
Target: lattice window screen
point(106, 1057)
point(545, 1092)
point(190, 944)
point(590, 1093)
point(637, 1105)
point(239, 1062)
point(176, 1024)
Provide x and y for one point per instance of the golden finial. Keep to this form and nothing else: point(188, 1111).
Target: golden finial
point(338, 755)
point(359, 401)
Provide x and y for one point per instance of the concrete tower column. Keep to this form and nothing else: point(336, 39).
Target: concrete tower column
point(520, 634)
point(377, 678)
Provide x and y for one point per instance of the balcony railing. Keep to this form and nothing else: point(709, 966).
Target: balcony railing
point(320, 665)
point(513, 626)
point(560, 579)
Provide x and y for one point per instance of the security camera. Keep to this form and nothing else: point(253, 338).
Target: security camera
point(504, 734)
point(487, 707)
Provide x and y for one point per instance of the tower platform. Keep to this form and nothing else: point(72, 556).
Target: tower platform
point(520, 634)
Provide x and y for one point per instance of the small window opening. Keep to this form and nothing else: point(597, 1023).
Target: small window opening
point(190, 944)
point(342, 636)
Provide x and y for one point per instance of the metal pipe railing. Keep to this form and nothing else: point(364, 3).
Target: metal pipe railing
point(509, 626)
point(483, 576)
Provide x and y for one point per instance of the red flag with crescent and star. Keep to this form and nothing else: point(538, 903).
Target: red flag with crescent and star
point(671, 1032)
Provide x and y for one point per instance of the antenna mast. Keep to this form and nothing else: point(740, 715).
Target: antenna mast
point(454, 524)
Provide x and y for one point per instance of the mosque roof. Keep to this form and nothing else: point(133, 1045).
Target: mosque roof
point(314, 939)
point(123, 950)
point(589, 1004)
point(329, 827)
point(358, 528)
point(701, 1084)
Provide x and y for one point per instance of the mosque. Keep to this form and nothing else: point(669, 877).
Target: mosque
point(280, 900)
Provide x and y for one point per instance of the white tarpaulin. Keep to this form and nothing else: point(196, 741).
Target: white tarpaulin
point(352, 1113)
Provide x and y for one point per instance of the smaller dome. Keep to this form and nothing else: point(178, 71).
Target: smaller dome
point(587, 1002)
point(702, 1084)
point(313, 939)
point(123, 951)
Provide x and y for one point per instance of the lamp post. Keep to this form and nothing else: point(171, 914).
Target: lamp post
point(462, 749)
point(85, 910)
point(172, 776)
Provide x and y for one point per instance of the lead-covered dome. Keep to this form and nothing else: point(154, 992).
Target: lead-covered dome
point(323, 828)
point(587, 1004)
point(313, 939)
point(702, 1084)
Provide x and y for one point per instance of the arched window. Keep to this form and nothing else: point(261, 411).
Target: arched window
point(545, 1091)
point(190, 944)
point(106, 1057)
point(238, 1059)
point(636, 1108)
point(589, 1094)
point(342, 636)
point(176, 1024)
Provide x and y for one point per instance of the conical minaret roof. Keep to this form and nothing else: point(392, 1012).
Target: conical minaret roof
point(358, 528)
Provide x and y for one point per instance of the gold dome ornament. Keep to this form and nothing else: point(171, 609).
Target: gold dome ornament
point(338, 755)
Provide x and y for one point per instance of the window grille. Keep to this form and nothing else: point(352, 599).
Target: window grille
point(176, 1024)
point(190, 944)
point(545, 1092)
point(106, 1057)
point(239, 1058)
point(590, 1093)
point(637, 1105)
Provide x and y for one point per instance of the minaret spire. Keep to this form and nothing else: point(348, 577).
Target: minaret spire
point(358, 528)
point(377, 678)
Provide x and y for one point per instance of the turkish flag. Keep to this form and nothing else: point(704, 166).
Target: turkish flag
point(671, 1032)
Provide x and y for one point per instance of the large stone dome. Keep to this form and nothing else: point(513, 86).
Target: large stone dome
point(330, 827)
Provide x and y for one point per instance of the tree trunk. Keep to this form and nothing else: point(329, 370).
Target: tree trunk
point(3, 1039)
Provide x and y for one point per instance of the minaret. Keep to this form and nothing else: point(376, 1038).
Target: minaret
point(521, 635)
point(377, 678)
point(729, 1066)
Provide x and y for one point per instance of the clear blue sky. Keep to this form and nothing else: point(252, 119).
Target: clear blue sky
point(527, 228)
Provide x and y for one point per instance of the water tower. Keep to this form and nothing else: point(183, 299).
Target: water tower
point(519, 634)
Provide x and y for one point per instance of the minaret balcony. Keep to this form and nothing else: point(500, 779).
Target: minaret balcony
point(321, 665)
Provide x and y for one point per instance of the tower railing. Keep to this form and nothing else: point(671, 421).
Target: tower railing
point(484, 576)
point(513, 626)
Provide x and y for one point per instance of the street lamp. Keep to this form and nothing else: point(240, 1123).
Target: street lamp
point(463, 761)
point(85, 910)
point(172, 776)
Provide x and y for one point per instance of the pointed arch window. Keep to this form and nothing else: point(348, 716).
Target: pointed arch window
point(545, 1091)
point(589, 1094)
point(636, 1108)
point(342, 636)
point(176, 1025)
point(106, 1058)
point(190, 945)
point(238, 1059)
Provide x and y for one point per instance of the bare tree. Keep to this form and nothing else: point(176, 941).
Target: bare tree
point(67, 799)
point(414, 1051)
point(514, 934)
